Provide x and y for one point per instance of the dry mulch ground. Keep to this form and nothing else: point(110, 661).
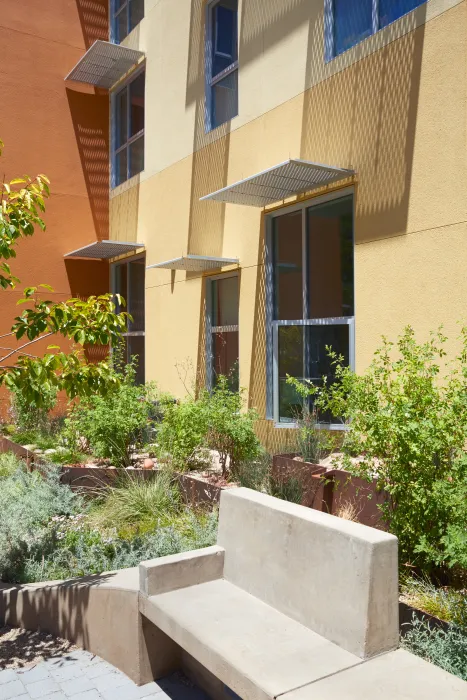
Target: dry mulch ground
point(21, 648)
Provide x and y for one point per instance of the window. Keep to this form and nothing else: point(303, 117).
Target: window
point(126, 14)
point(350, 21)
point(222, 330)
point(128, 134)
point(311, 304)
point(128, 281)
point(221, 63)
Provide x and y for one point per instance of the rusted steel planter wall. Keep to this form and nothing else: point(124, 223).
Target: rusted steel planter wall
point(332, 490)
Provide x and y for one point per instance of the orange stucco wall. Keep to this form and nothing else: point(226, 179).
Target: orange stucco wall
point(56, 128)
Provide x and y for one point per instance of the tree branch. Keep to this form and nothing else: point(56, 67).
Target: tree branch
point(18, 350)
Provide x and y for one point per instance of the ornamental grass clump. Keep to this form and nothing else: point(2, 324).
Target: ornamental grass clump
point(407, 421)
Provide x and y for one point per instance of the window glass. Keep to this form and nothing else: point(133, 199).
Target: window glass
point(137, 104)
point(127, 14)
point(290, 362)
point(303, 354)
point(225, 302)
point(390, 10)
point(136, 12)
point(121, 284)
point(136, 156)
point(128, 281)
point(224, 99)
point(136, 294)
point(224, 339)
point(135, 348)
point(225, 38)
point(225, 357)
point(353, 22)
point(128, 115)
point(287, 262)
point(223, 94)
point(330, 259)
point(121, 25)
point(122, 118)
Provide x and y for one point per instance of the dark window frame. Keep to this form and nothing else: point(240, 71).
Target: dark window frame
point(213, 79)
point(273, 325)
point(131, 139)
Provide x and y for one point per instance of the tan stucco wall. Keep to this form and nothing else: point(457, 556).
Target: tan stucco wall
point(392, 108)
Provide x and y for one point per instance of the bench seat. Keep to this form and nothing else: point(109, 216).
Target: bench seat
point(257, 651)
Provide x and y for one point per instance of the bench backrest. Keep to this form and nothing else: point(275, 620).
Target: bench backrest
point(336, 577)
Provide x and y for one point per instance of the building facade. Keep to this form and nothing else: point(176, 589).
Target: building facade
point(59, 129)
point(284, 175)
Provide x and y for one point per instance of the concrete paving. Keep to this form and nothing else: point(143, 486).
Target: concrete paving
point(79, 675)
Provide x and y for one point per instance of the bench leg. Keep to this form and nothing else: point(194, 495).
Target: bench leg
point(158, 654)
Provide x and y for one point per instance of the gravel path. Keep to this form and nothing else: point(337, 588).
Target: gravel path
point(40, 667)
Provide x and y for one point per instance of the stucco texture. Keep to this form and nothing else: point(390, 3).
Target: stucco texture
point(392, 108)
point(60, 129)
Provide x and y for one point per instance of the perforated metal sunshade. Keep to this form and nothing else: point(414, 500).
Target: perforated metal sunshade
point(194, 263)
point(104, 64)
point(280, 182)
point(103, 250)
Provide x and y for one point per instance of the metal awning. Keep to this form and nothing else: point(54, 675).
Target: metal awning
point(104, 64)
point(195, 263)
point(280, 182)
point(103, 250)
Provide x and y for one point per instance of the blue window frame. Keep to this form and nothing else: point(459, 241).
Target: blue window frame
point(128, 130)
point(126, 14)
point(350, 21)
point(221, 62)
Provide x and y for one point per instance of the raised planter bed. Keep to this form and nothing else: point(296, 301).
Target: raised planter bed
point(316, 491)
point(332, 490)
point(195, 489)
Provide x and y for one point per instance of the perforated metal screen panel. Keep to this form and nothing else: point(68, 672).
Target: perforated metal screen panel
point(280, 182)
point(104, 64)
point(194, 263)
point(102, 250)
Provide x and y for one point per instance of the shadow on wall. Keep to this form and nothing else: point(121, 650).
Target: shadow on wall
point(364, 117)
point(60, 609)
point(210, 158)
point(94, 19)
point(90, 116)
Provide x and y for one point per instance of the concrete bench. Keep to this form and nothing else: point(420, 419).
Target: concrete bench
point(287, 597)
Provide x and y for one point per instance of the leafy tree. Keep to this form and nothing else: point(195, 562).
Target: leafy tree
point(83, 322)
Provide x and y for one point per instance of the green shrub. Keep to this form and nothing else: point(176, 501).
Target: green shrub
point(215, 420)
point(445, 603)
point(182, 434)
point(444, 648)
point(115, 423)
point(410, 427)
point(9, 464)
point(230, 427)
point(27, 416)
point(83, 551)
point(27, 503)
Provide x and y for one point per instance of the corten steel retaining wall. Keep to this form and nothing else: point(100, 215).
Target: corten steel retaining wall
point(194, 489)
point(332, 490)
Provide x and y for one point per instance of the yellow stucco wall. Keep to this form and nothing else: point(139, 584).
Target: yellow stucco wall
point(392, 108)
